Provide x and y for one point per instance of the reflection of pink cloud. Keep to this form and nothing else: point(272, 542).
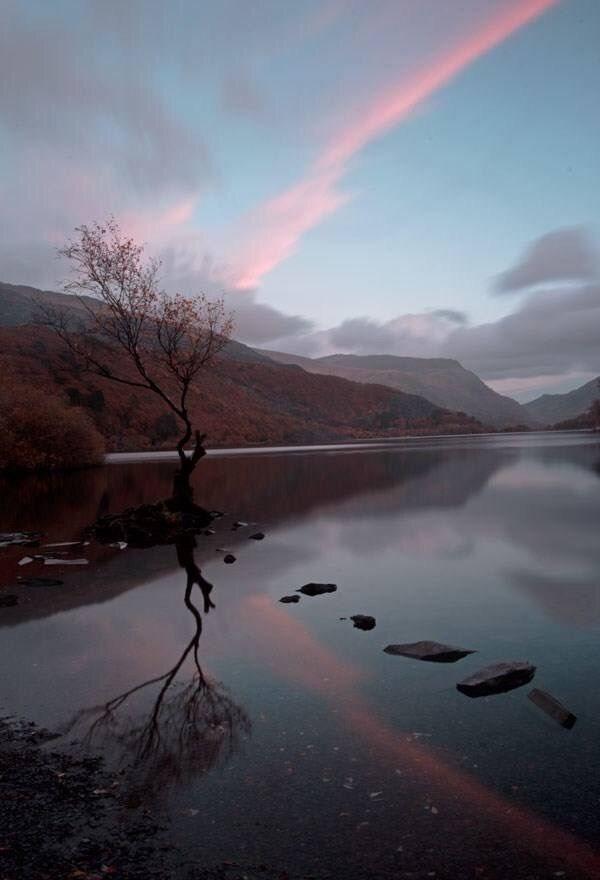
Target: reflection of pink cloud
point(532, 832)
point(280, 222)
point(293, 653)
point(288, 647)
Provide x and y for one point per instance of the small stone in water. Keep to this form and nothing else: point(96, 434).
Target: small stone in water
point(258, 536)
point(317, 589)
point(229, 559)
point(290, 599)
point(26, 560)
point(363, 621)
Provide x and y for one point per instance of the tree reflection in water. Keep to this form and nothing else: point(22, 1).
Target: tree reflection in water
point(187, 730)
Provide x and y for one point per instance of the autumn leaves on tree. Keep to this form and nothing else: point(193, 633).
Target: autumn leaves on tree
point(168, 340)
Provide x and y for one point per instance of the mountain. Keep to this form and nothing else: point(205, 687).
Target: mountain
point(552, 408)
point(245, 399)
point(443, 381)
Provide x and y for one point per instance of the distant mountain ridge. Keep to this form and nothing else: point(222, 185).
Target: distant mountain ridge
point(246, 399)
point(552, 408)
point(443, 381)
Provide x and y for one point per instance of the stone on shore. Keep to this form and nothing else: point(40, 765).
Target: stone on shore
point(497, 678)
point(20, 539)
point(317, 589)
point(552, 707)
point(49, 560)
point(40, 582)
point(432, 652)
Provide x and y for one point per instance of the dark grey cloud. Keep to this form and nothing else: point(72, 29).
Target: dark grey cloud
point(561, 255)
point(553, 332)
point(417, 335)
point(453, 315)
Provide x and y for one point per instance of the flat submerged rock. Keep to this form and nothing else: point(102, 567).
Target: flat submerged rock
point(497, 678)
point(317, 589)
point(432, 652)
point(552, 707)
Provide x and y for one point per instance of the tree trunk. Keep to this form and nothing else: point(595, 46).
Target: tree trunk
point(183, 492)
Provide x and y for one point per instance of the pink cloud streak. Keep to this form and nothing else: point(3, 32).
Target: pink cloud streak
point(279, 223)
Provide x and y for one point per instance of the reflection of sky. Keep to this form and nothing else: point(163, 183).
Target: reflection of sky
point(503, 563)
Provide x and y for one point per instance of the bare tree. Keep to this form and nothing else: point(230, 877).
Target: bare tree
point(167, 340)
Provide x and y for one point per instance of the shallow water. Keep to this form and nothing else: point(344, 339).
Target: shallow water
point(304, 746)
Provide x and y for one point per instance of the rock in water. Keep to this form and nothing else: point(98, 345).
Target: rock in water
point(290, 598)
point(317, 589)
point(363, 621)
point(258, 536)
point(552, 707)
point(229, 559)
point(433, 652)
point(497, 679)
point(8, 600)
point(151, 524)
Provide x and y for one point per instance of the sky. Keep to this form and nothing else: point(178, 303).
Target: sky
point(413, 177)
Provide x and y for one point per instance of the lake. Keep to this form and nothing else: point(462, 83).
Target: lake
point(278, 733)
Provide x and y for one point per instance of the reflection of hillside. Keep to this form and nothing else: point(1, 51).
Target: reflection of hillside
point(574, 600)
point(269, 488)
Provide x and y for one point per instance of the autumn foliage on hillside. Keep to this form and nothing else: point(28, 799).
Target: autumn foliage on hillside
point(39, 431)
point(237, 403)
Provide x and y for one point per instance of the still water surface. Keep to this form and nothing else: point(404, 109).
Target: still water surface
point(294, 740)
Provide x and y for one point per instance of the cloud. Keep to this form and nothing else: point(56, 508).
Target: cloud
point(553, 334)
point(61, 90)
point(277, 225)
point(256, 323)
point(417, 335)
point(562, 255)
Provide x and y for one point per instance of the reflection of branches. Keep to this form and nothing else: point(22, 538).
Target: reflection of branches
point(189, 728)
